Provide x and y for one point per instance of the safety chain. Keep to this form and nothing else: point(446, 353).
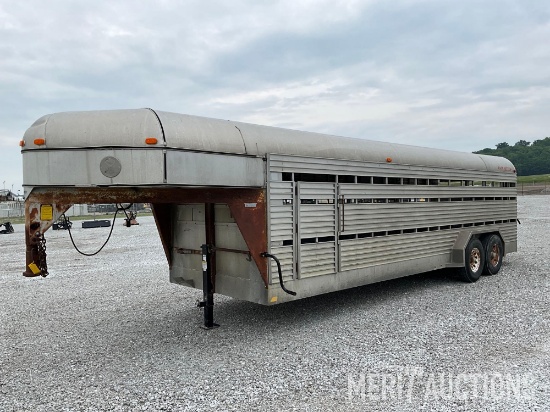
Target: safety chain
point(42, 265)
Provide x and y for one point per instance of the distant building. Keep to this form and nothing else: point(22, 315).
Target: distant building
point(7, 195)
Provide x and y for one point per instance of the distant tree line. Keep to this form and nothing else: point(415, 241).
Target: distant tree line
point(529, 158)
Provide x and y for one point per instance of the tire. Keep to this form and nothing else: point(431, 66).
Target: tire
point(474, 261)
point(494, 252)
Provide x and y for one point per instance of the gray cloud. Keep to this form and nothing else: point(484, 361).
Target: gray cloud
point(457, 75)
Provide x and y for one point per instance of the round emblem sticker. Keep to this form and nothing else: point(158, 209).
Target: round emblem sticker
point(110, 166)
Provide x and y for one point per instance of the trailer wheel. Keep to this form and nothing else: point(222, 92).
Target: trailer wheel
point(494, 252)
point(474, 261)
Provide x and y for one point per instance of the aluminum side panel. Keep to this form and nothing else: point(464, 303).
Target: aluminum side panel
point(82, 167)
point(204, 169)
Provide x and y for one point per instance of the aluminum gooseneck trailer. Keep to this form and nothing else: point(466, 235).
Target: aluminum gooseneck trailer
point(232, 200)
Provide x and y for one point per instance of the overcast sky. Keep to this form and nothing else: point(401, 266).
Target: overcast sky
point(460, 75)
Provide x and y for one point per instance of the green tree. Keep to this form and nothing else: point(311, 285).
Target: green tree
point(542, 142)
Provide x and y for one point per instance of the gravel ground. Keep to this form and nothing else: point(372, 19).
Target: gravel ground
point(111, 333)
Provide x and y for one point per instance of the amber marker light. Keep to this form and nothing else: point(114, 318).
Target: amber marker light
point(389, 159)
point(22, 143)
point(39, 142)
point(151, 140)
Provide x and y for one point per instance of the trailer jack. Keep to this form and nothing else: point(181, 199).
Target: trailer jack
point(208, 290)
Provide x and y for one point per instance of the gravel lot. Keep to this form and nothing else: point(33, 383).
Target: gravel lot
point(111, 333)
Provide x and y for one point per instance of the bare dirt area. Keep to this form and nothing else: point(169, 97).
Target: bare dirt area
point(111, 333)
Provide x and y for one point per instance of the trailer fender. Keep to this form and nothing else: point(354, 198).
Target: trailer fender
point(462, 240)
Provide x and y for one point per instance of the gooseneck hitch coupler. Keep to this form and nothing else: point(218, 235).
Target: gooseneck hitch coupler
point(269, 255)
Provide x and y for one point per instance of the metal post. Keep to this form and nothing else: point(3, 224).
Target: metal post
point(208, 290)
point(210, 234)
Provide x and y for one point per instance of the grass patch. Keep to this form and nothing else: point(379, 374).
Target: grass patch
point(534, 179)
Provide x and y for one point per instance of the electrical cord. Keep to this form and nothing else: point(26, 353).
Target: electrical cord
point(269, 255)
point(108, 237)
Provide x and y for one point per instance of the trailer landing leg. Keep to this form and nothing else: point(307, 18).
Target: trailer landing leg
point(208, 290)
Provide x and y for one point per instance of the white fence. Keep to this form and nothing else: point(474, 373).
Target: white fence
point(17, 209)
point(12, 209)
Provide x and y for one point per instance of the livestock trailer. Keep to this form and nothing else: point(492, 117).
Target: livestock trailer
point(233, 200)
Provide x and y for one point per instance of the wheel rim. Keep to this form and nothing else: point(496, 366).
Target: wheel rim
point(475, 260)
point(495, 255)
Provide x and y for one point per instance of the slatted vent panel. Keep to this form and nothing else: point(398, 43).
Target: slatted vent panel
point(380, 223)
point(360, 253)
point(317, 210)
point(285, 254)
point(317, 228)
point(281, 212)
point(286, 163)
point(374, 217)
point(281, 224)
point(358, 191)
point(317, 259)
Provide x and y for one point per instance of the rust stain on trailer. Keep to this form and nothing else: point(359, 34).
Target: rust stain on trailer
point(252, 222)
point(35, 227)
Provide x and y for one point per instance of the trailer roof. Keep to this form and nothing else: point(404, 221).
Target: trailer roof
point(129, 128)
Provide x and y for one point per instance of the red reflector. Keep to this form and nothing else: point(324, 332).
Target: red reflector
point(39, 142)
point(389, 159)
point(22, 143)
point(151, 140)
